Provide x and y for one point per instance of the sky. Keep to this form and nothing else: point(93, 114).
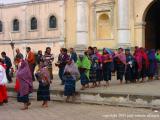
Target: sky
point(12, 1)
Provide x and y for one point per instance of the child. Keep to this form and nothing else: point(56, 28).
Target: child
point(71, 73)
point(43, 93)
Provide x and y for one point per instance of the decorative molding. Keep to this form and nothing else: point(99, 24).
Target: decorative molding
point(39, 40)
point(101, 8)
point(27, 3)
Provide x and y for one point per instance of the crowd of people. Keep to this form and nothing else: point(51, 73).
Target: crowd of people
point(91, 67)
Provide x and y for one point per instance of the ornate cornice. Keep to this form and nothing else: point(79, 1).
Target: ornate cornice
point(27, 3)
point(39, 40)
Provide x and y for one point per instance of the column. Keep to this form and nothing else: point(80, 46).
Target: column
point(82, 23)
point(123, 23)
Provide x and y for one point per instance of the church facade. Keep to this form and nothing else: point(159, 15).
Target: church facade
point(79, 23)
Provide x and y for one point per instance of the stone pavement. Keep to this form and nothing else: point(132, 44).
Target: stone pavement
point(68, 111)
point(147, 88)
point(138, 95)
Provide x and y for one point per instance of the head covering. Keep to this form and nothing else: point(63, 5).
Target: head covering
point(120, 49)
point(121, 56)
point(25, 78)
point(72, 69)
point(127, 49)
point(109, 51)
point(138, 58)
point(44, 71)
point(151, 54)
point(84, 63)
point(144, 56)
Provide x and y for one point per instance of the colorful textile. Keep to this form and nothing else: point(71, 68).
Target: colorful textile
point(69, 85)
point(121, 57)
point(72, 69)
point(84, 64)
point(3, 94)
point(25, 78)
point(94, 67)
point(138, 58)
point(158, 57)
point(17, 86)
point(130, 68)
point(152, 63)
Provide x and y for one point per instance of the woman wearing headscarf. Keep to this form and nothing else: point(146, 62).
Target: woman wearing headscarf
point(3, 82)
point(130, 67)
point(24, 77)
point(138, 63)
point(94, 66)
point(145, 64)
point(106, 65)
point(43, 76)
point(152, 64)
point(120, 64)
point(99, 72)
point(84, 65)
point(71, 74)
point(158, 63)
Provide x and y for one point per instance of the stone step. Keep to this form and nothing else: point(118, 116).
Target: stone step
point(112, 99)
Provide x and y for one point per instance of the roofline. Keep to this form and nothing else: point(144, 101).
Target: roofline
point(26, 3)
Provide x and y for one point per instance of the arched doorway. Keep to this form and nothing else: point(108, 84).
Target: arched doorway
point(152, 28)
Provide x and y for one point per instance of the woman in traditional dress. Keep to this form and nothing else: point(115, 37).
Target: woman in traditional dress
point(120, 64)
point(71, 74)
point(138, 64)
point(145, 64)
point(106, 66)
point(84, 65)
point(94, 66)
point(99, 72)
point(43, 76)
point(152, 64)
point(3, 81)
point(24, 77)
point(130, 67)
point(158, 63)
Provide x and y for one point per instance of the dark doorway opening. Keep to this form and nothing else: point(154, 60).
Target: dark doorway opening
point(152, 28)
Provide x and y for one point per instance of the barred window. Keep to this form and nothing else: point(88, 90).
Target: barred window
point(1, 26)
point(52, 22)
point(15, 25)
point(33, 23)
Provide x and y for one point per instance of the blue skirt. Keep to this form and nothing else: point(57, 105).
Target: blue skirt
point(120, 71)
point(69, 86)
point(43, 93)
point(107, 70)
point(83, 78)
point(23, 99)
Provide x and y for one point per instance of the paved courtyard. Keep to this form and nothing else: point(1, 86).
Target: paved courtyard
point(68, 111)
point(147, 88)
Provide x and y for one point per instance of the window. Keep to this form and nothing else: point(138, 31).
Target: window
point(15, 25)
point(33, 23)
point(52, 22)
point(1, 26)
